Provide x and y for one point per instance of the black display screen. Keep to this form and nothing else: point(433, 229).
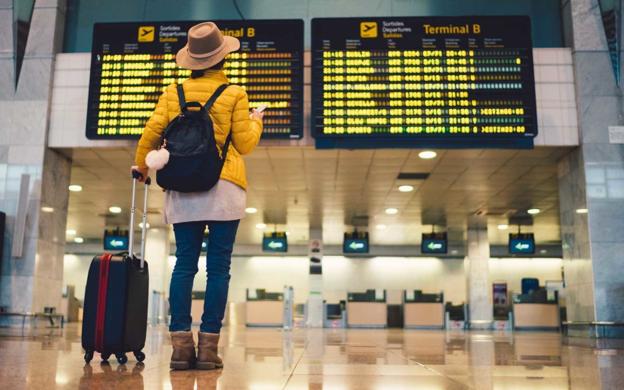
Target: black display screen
point(423, 81)
point(522, 243)
point(131, 64)
point(356, 242)
point(434, 243)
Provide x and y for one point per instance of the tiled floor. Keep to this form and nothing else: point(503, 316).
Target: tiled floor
point(260, 359)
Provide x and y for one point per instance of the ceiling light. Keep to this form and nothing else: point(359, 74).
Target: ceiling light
point(115, 209)
point(147, 225)
point(251, 210)
point(427, 154)
point(47, 209)
point(581, 211)
point(391, 211)
point(406, 188)
point(543, 251)
point(533, 211)
point(78, 240)
point(70, 232)
point(381, 226)
point(260, 225)
point(75, 188)
point(503, 226)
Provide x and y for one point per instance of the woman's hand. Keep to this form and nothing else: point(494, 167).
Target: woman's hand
point(142, 172)
point(256, 114)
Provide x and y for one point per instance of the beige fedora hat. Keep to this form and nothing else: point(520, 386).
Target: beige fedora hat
point(206, 47)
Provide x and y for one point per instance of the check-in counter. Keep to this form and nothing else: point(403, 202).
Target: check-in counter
point(264, 308)
point(423, 311)
point(536, 311)
point(367, 310)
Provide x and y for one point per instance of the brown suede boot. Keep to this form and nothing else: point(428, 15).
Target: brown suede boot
point(207, 358)
point(183, 356)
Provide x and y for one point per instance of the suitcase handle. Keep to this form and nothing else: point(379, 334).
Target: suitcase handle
point(136, 175)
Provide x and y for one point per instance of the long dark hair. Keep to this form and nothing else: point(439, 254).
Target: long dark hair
point(199, 73)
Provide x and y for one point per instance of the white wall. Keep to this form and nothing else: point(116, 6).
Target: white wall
point(342, 274)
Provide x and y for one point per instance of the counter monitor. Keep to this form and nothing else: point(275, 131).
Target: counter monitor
point(423, 81)
point(132, 63)
point(434, 243)
point(521, 243)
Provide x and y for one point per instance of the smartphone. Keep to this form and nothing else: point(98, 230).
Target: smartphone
point(261, 108)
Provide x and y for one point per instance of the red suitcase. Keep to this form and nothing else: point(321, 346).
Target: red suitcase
point(115, 305)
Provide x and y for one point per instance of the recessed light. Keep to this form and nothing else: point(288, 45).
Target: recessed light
point(47, 209)
point(381, 226)
point(78, 240)
point(251, 210)
point(427, 154)
point(406, 188)
point(147, 225)
point(503, 226)
point(392, 211)
point(115, 209)
point(533, 211)
point(543, 251)
point(581, 211)
point(75, 188)
point(260, 225)
point(70, 232)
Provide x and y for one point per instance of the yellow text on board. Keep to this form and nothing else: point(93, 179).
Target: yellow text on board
point(146, 34)
point(240, 32)
point(452, 29)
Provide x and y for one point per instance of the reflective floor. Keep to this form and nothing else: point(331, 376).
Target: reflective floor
point(261, 359)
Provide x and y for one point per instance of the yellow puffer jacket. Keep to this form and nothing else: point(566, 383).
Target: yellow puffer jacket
point(229, 113)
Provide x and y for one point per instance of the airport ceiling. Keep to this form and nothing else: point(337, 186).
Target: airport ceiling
point(295, 188)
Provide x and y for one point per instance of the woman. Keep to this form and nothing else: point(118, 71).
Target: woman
point(220, 209)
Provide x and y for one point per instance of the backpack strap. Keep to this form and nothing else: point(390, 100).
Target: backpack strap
point(215, 96)
point(208, 106)
point(181, 98)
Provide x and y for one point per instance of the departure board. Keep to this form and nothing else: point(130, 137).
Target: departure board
point(132, 63)
point(423, 81)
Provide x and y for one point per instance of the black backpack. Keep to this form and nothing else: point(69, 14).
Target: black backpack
point(194, 160)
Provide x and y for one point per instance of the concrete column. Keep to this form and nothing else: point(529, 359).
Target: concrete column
point(478, 274)
point(157, 249)
point(592, 178)
point(34, 280)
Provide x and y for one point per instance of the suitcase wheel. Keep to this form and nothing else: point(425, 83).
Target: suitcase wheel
point(140, 356)
point(88, 356)
point(105, 356)
point(121, 358)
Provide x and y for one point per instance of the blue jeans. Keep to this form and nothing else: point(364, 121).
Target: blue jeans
point(189, 237)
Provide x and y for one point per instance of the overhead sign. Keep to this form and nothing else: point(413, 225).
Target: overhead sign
point(423, 81)
point(521, 243)
point(275, 242)
point(116, 240)
point(356, 242)
point(434, 243)
point(131, 64)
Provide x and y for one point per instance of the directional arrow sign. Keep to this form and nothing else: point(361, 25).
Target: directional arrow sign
point(356, 245)
point(522, 246)
point(116, 243)
point(434, 245)
point(275, 244)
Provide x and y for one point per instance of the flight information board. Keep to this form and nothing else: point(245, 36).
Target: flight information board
point(132, 63)
point(423, 81)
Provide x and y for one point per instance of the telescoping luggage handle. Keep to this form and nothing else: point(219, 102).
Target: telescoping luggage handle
point(135, 176)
